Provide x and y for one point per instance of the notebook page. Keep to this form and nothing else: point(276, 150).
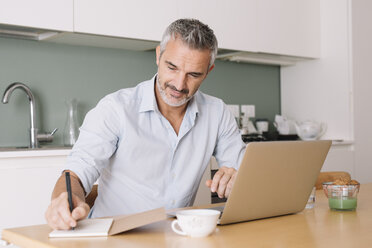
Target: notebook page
point(85, 228)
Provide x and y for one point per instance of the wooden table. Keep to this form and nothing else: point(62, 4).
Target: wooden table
point(318, 227)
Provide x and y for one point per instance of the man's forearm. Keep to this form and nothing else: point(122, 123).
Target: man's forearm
point(76, 186)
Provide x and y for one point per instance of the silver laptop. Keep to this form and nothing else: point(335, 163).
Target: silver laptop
point(274, 178)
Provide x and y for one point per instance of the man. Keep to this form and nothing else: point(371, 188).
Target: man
point(150, 145)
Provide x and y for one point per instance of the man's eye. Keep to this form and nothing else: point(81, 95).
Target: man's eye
point(171, 68)
point(194, 75)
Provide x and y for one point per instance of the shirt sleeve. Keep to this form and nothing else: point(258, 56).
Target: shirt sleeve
point(98, 139)
point(230, 148)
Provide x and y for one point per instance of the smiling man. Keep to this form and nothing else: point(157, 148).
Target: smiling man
point(150, 145)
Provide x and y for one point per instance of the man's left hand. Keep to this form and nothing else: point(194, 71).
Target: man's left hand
point(222, 181)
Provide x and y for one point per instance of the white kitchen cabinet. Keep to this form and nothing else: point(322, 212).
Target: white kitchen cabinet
point(285, 27)
point(26, 185)
point(340, 158)
point(281, 27)
point(234, 22)
point(289, 27)
point(139, 19)
point(44, 14)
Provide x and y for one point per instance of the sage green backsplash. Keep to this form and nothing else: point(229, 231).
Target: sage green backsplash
point(56, 72)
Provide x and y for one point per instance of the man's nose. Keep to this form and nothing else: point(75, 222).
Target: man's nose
point(180, 81)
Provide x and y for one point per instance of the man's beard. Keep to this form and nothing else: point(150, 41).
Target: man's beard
point(163, 94)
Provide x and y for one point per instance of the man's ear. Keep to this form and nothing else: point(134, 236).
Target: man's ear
point(157, 55)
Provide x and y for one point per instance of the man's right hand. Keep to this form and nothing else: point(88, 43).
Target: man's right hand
point(58, 214)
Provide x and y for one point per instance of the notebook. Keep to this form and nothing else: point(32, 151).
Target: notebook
point(85, 228)
point(111, 226)
point(274, 178)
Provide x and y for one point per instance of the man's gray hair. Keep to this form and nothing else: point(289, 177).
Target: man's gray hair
point(193, 33)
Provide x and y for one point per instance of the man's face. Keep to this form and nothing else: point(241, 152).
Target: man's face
point(181, 70)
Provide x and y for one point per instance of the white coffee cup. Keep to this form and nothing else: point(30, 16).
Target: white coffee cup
point(196, 222)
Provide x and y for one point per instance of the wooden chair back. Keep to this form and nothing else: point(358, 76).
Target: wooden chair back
point(330, 176)
point(92, 196)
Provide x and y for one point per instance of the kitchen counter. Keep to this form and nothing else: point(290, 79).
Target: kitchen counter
point(30, 175)
point(342, 142)
point(13, 152)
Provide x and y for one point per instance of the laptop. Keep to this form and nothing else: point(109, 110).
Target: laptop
point(274, 178)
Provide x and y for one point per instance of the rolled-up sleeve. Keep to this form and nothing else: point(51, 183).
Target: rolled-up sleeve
point(98, 139)
point(229, 150)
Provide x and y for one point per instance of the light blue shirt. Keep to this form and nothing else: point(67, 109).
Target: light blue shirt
point(140, 161)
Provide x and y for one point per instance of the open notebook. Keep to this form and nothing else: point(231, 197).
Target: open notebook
point(111, 226)
point(86, 228)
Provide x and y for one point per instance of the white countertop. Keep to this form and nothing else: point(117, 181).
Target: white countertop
point(64, 151)
point(39, 152)
point(342, 142)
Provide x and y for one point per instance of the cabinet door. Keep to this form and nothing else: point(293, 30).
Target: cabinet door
point(340, 158)
point(289, 27)
point(140, 19)
point(26, 185)
point(234, 22)
point(46, 14)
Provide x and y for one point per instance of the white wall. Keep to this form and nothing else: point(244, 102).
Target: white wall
point(337, 88)
point(362, 79)
point(320, 90)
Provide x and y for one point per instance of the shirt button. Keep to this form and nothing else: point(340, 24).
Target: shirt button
point(174, 175)
point(173, 202)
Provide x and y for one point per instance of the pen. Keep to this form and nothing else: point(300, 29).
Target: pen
point(68, 187)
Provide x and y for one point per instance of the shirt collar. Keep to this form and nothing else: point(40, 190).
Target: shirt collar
point(148, 101)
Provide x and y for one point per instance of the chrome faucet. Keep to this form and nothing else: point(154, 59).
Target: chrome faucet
point(34, 136)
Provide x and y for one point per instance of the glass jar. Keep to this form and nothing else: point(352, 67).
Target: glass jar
point(71, 130)
point(342, 197)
